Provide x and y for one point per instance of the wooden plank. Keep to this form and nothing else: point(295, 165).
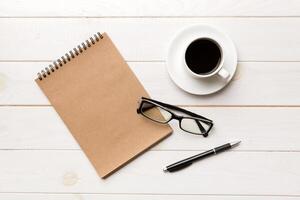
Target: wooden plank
point(22, 196)
point(140, 39)
point(254, 84)
point(149, 8)
point(260, 129)
point(240, 173)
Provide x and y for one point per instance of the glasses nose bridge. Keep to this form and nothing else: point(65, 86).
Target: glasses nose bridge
point(177, 117)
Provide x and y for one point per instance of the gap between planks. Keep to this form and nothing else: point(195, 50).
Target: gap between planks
point(189, 106)
point(142, 17)
point(157, 194)
point(155, 61)
point(165, 150)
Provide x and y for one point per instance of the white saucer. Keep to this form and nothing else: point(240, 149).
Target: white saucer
point(176, 65)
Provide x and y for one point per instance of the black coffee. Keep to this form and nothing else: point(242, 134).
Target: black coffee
point(203, 56)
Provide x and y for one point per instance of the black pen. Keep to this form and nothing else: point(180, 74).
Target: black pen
point(189, 161)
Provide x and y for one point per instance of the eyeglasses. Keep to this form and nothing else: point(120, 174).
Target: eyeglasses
point(161, 113)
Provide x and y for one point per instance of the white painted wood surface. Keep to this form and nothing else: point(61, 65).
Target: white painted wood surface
point(40, 160)
point(20, 129)
point(277, 85)
point(256, 39)
point(144, 8)
point(62, 171)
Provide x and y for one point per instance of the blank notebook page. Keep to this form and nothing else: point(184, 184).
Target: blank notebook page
point(96, 94)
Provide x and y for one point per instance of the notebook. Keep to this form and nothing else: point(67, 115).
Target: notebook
point(96, 94)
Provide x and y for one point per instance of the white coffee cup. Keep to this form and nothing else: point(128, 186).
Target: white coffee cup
point(211, 46)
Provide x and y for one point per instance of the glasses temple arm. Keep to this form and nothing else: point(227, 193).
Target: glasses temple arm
point(178, 109)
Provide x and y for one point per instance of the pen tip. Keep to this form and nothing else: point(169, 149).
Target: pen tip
point(235, 143)
point(165, 170)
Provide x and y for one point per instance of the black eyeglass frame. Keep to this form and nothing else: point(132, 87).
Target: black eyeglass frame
point(166, 107)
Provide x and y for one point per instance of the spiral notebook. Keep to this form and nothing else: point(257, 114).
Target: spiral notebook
point(95, 93)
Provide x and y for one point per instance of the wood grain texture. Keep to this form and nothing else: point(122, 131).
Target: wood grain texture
point(100, 8)
point(270, 83)
point(146, 39)
point(22, 196)
point(260, 129)
point(240, 173)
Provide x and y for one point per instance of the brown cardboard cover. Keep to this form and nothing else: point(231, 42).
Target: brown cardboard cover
point(96, 95)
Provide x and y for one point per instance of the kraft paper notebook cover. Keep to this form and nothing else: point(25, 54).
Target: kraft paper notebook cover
point(95, 93)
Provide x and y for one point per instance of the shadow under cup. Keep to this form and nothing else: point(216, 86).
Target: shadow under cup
point(203, 56)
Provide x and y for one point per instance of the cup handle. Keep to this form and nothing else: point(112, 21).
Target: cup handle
point(224, 74)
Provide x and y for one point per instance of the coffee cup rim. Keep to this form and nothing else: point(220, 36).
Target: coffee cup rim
point(220, 64)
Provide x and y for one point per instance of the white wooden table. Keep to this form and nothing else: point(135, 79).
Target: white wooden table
point(39, 159)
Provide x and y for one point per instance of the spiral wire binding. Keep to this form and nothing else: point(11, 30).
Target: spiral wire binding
point(68, 56)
